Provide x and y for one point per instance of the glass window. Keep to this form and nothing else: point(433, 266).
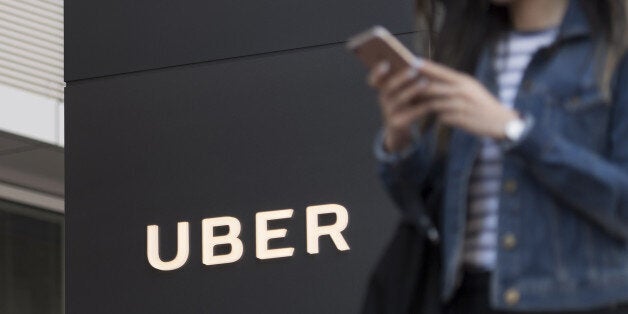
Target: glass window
point(31, 260)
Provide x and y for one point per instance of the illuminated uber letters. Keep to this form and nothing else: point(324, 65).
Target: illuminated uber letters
point(314, 231)
point(210, 240)
point(183, 247)
point(262, 235)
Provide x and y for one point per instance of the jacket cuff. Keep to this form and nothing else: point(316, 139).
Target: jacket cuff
point(392, 158)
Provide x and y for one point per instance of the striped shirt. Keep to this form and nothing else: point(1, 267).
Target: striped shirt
point(512, 57)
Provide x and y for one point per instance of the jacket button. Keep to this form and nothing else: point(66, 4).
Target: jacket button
point(509, 241)
point(510, 186)
point(512, 296)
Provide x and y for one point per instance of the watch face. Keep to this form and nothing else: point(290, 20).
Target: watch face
point(514, 129)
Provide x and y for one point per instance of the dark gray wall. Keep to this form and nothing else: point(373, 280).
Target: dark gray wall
point(288, 128)
point(119, 36)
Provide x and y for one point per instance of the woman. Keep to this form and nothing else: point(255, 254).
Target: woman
point(531, 146)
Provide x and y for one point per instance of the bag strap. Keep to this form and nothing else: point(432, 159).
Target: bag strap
point(416, 213)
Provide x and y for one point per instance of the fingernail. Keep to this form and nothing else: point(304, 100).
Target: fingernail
point(417, 63)
point(411, 72)
point(384, 66)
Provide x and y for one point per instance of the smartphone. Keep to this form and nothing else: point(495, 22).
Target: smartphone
point(378, 44)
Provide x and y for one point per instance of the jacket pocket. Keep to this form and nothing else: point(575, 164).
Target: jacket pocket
point(584, 119)
point(585, 101)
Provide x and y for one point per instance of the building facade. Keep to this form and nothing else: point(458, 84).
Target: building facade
point(31, 156)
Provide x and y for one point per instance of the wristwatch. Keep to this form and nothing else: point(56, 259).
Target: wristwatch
point(514, 129)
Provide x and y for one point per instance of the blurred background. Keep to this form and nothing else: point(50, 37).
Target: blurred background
point(31, 156)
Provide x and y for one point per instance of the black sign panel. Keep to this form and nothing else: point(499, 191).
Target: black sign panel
point(232, 138)
point(120, 36)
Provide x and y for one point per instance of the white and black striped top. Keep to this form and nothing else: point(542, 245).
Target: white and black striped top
point(512, 58)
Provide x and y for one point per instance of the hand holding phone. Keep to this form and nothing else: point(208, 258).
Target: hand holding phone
point(397, 83)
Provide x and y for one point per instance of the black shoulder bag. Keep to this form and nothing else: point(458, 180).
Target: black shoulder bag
point(407, 277)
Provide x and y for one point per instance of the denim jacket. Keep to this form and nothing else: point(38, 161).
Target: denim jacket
point(563, 216)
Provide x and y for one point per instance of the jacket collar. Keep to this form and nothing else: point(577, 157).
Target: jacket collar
point(575, 22)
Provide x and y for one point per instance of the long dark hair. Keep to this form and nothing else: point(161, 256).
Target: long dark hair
point(457, 30)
